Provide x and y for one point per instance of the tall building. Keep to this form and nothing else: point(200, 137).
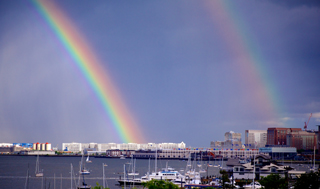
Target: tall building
point(302, 140)
point(232, 136)
point(278, 136)
point(232, 140)
point(255, 138)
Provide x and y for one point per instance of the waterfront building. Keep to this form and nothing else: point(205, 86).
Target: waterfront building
point(12, 149)
point(292, 137)
point(207, 153)
point(6, 144)
point(259, 166)
point(37, 152)
point(72, 147)
point(24, 145)
point(279, 153)
point(302, 140)
point(79, 147)
point(255, 138)
point(88, 145)
point(278, 136)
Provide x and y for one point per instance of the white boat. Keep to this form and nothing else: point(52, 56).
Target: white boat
point(133, 168)
point(216, 182)
point(84, 185)
point(193, 178)
point(168, 174)
point(83, 170)
point(88, 160)
point(313, 168)
point(38, 172)
point(122, 157)
point(251, 185)
point(191, 175)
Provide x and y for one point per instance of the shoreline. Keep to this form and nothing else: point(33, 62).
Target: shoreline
point(181, 159)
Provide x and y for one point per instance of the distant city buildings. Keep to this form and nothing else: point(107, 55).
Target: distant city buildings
point(24, 147)
point(278, 136)
point(255, 138)
point(232, 141)
point(302, 140)
point(292, 137)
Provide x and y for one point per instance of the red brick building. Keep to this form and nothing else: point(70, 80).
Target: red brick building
point(302, 140)
point(278, 136)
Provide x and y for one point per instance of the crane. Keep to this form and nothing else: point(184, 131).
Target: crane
point(306, 124)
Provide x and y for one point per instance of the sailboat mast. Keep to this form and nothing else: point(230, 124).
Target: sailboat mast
point(155, 163)
point(149, 169)
point(71, 174)
point(314, 158)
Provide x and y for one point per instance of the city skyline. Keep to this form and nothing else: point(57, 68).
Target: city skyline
point(181, 70)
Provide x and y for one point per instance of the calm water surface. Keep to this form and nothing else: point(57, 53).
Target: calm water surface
point(13, 171)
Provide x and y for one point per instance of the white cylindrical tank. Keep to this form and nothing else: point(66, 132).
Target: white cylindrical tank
point(48, 146)
point(43, 146)
point(34, 146)
point(38, 146)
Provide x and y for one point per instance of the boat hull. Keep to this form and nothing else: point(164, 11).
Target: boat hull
point(129, 182)
point(39, 174)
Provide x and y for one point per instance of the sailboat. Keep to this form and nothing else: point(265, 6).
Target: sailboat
point(133, 166)
point(83, 184)
point(201, 168)
point(83, 170)
point(38, 172)
point(209, 164)
point(313, 168)
point(88, 160)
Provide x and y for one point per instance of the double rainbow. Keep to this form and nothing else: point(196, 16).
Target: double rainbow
point(91, 68)
point(250, 64)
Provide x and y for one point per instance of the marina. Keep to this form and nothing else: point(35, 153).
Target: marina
point(13, 170)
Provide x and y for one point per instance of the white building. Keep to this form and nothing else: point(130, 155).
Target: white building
point(79, 147)
point(6, 144)
point(262, 167)
point(73, 147)
point(255, 138)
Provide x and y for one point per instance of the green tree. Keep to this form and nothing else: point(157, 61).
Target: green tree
point(98, 186)
point(159, 184)
point(309, 180)
point(274, 181)
point(224, 178)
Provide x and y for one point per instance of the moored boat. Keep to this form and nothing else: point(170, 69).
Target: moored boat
point(38, 172)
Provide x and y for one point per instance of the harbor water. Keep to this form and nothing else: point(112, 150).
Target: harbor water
point(57, 171)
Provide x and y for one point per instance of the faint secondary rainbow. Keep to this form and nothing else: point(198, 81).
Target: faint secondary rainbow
point(91, 68)
point(250, 64)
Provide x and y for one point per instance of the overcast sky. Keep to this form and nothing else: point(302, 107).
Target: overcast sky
point(187, 70)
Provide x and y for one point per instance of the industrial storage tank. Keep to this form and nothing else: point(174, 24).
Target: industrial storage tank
point(38, 146)
point(34, 147)
point(48, 146)
point(43, 146)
